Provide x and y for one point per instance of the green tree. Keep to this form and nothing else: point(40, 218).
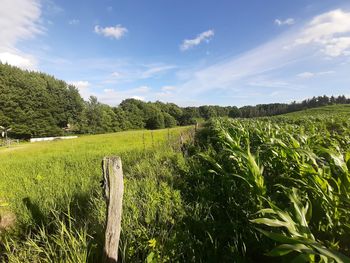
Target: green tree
point(169, 121)
point(234, 112)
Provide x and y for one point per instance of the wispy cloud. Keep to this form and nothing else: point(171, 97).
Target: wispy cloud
point(115, 32)
point(190, 43)
point(288, 21)
point(168, 88)
point(19, 24)
point(153, 70)
point(308, 75)
point(312, 42)
point(227, 73)
point(330, 31)
point(116, 74)
point(51, 8)
point(269, 83)
point(128, 72)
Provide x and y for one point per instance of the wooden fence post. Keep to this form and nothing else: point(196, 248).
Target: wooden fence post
point(143, 140)
point(113, 189)
point(152, 139)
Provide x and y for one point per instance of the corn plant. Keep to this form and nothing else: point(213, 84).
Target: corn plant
point(297, 236)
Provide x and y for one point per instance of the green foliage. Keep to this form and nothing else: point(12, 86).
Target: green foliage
point(298, 237)
point(169, 121)
point(61, 240)
point(239, 167)
point(154, 118)
point(36, 104)
point(234, 112)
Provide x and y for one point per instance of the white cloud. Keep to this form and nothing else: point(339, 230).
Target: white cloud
point(19, 23)
point(331, 31)
point(232, 74)
point(166, 93)
point(227, 73)
point(168, 88)
point(115, 77)
point(116, 32)
point(308, 75)
point(288, 21)
point(24, 62)
point(19, 20)
point(74, 22)
point(83, 86)
point(153, 70)
point(80, 84)
point(116, 74)
point(51, 8)
point(132, 72)
point(269, 83)
point(115, 96)
point(138, 98)
point(190, 43)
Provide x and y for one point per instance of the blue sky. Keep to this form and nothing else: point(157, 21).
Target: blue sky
point(187, 52)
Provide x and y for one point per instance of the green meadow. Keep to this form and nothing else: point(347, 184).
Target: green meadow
point(44, 180)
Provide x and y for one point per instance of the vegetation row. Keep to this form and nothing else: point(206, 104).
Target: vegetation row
point(35, 104)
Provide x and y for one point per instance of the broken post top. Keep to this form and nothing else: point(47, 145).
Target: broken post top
point(112, 158)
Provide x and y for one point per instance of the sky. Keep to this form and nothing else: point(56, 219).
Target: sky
point(222, 52)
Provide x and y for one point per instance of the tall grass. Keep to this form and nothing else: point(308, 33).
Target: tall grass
point(54, 189)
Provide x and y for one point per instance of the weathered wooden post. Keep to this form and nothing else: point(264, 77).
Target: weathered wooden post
point(182, 139)
point(143, 140)
point(113, 189)
point(152, 139)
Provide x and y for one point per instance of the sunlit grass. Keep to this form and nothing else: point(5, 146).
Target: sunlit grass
point(49, 173)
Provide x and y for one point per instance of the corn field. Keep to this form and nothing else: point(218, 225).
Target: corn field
point(272, 190)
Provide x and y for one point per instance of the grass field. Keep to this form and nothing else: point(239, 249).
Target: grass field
point(41, 179)
point(242, 191)
point(60, 168)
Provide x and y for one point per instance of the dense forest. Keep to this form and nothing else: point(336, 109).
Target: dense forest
point(35, 104)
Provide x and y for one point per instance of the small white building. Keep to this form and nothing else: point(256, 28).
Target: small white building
point(52, 138)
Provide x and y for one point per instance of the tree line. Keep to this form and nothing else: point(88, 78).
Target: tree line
point(36, 104)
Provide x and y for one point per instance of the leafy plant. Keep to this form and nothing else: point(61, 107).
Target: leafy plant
point(297, 237)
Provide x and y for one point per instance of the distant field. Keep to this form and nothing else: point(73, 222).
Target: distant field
point(335, 110)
